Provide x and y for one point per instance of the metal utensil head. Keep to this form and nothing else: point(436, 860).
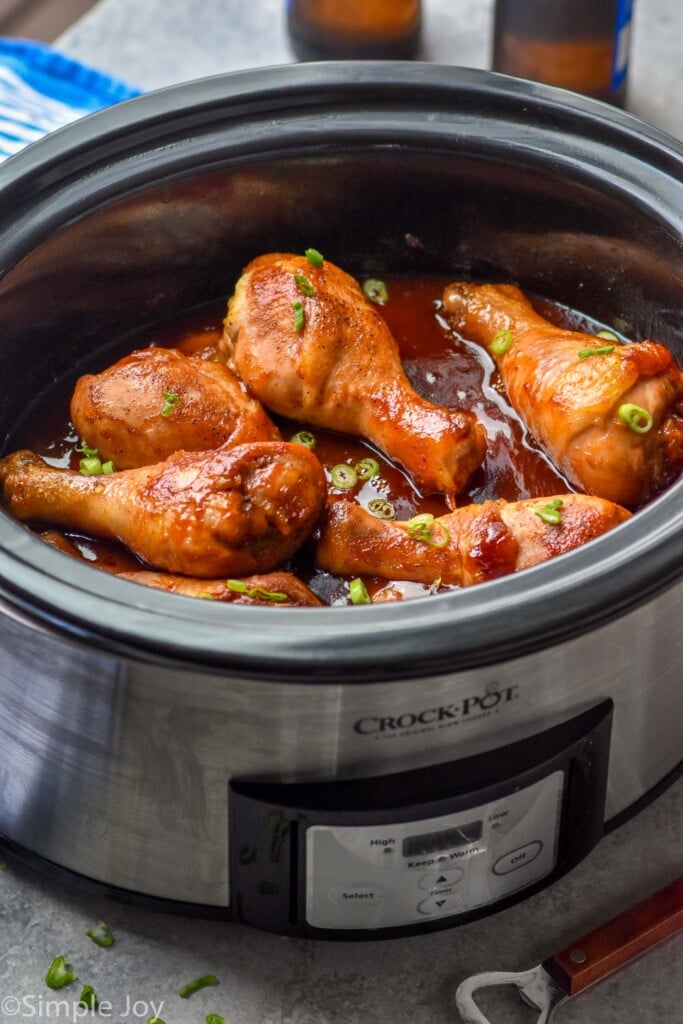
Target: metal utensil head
point(536, 987)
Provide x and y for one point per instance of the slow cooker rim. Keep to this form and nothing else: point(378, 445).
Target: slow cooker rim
point(82, 602)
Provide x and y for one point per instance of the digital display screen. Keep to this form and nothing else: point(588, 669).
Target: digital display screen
point(446, 839)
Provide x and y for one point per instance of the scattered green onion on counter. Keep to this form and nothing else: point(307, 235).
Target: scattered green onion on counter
point(376, 291)
point(214, 1018)
point(89, 998)
point(636, 418)
point(59, 973)
point(194, 986)
point(551, 513)
point(101, 936)
point(343, 477)
point(358, 592)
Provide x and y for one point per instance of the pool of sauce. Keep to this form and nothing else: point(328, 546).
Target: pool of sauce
point(441, 365)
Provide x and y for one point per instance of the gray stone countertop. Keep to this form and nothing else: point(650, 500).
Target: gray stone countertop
point(266, 979)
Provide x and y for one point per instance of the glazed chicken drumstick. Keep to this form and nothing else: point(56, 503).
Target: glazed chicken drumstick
point(222, 513)
point(311, 347)
point(273, 589)
point(611, 419)
point(474, 544)
point(157, 401)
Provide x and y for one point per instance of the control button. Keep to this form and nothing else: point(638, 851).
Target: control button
point(518, 858)
point(439, 905)
point(440, 879)
point(361, 895)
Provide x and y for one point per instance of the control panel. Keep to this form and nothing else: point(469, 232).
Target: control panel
point(413, 851)
point(384, 876)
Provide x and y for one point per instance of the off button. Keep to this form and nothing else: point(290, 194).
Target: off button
point(518, 858)
point(356, 895)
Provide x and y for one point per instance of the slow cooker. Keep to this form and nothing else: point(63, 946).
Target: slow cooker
point(341, 772)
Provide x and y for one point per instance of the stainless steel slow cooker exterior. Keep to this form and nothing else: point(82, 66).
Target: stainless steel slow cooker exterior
point(126, 713)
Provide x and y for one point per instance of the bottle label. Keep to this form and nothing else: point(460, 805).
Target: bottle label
point(622, 39)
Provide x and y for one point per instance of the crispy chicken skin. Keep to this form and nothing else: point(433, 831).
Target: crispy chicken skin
point(570, 405)
point(342, 370)
point(296, 593)
point(223, 513)
point(123, 412)
point(485, 541)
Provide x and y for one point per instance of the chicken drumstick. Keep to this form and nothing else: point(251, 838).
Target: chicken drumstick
point(310, 346)
point(611, 420)
point(157, 401)
point(273, 589)
point(474, 544)
point(222, 513)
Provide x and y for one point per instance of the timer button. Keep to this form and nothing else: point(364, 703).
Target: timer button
point(440, 879)
point(439, 905)
point(518, 858)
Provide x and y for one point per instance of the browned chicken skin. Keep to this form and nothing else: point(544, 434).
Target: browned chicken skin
point(274, 589)
point(125, 413)
point(484, 541)
point(342, 370)
point(571, 405)
point(223, 513)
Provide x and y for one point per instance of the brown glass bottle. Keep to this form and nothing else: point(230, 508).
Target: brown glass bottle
point(360, 29)
point(581, 45)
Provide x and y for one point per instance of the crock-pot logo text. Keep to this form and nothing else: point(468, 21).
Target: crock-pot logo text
point(470, 709)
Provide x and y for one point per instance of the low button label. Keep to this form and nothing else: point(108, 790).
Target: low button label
point(518, 858)
point(358, 895)
point(436, 880)
point(439, 905)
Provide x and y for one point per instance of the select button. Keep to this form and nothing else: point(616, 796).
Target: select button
point(518, 858)
point(358, 895)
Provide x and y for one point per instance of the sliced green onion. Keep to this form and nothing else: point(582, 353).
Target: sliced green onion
point(108, 467)
point(551, 513)
point(610, 335)
point(304, 285)
point(240, 587)
point(299, 315)
point(435, 586)
point(344, 477)
point(366, 469)
point(382, 509)
point(85, 449)
point(171, 400)
point(194, 986)
point(306, 438)
point(155, 1020)
point(314, 257)
point(604, 350)
point(376, 291)
point(214, 1018)
point(636, 418)
point(358, 592)
point(101, 936)
point(59, 973)
point(427, 530)
point(501, 342)
point(89, 998)
point(91, 465)
point(206, 596)
point(3, 864)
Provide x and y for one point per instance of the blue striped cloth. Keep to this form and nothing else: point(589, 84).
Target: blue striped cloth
point(41, 89)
